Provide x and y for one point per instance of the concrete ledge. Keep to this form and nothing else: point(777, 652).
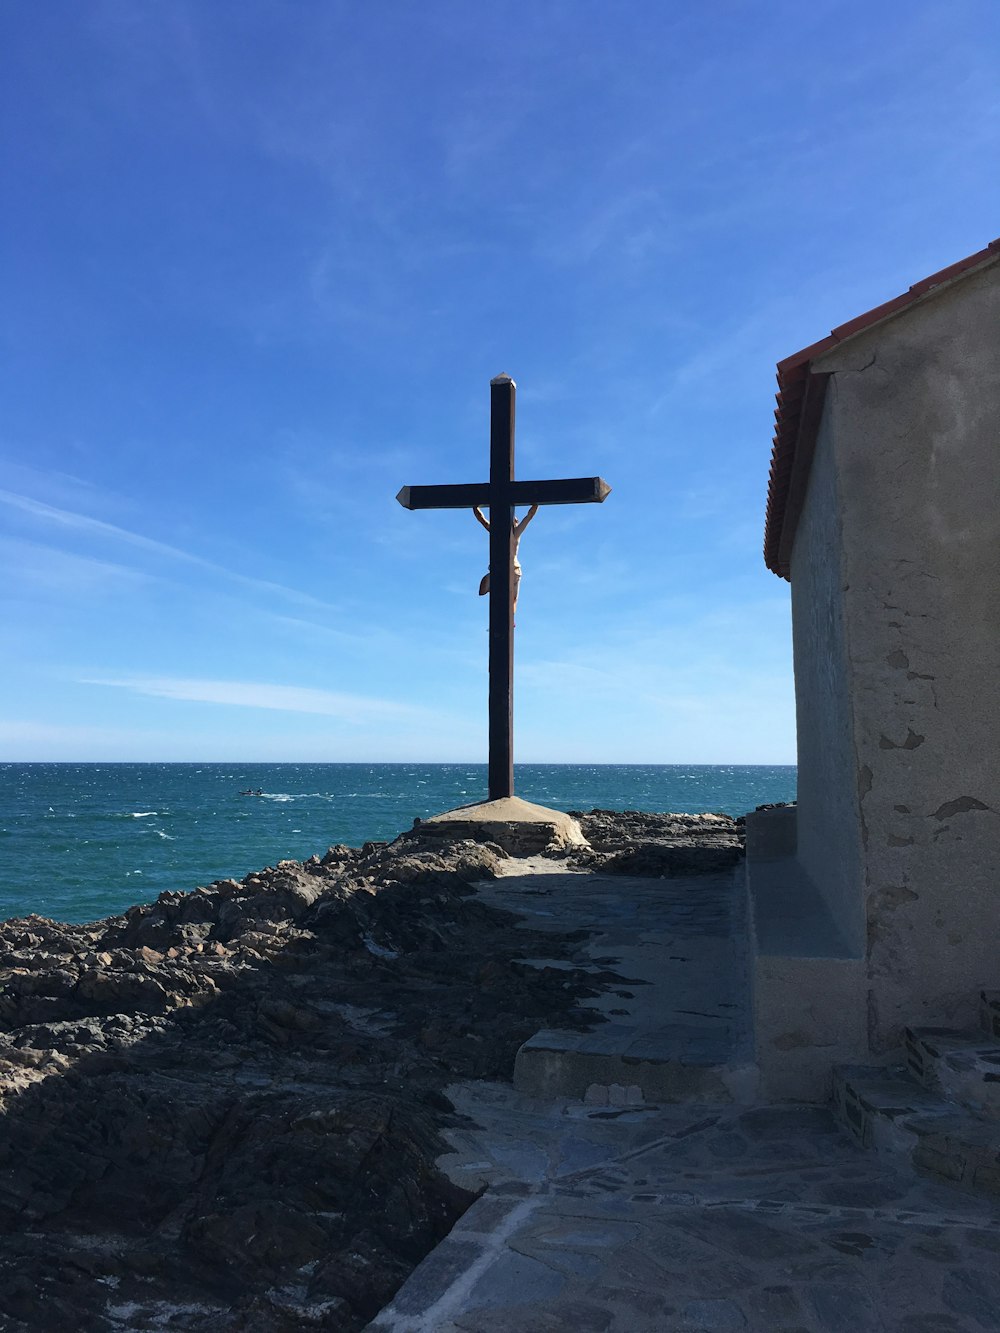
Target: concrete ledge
point(809, 1015)
point(809, 989)
point(771, 833)
point(789, 915)
point(621, 1064)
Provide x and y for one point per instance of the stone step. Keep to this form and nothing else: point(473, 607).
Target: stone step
point(962, 1065)
point(622, 1064)
point(885, 1109)
point(871, 1100)
point(989, 1012)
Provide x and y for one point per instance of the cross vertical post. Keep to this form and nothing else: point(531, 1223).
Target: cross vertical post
point(501, 692)
point(500, 494)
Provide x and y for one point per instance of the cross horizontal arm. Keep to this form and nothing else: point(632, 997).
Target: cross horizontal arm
point(445, 497)
point(565, 491)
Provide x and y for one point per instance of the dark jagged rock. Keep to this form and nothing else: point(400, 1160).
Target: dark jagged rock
point(222, 1110)
point(636, 843)
point(224, 1107)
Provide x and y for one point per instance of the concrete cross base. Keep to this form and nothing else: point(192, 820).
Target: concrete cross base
point(520, 828)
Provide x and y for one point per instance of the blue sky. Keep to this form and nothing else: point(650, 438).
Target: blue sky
point(260, 262)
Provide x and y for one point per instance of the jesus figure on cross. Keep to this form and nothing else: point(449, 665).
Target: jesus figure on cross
point(518, 529)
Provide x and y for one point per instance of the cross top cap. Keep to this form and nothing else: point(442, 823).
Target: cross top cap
point(503, 379)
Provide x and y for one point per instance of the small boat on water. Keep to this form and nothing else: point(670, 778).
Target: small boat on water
point(252, 791)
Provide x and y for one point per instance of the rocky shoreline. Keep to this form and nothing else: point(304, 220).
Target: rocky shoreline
point(222, 1110)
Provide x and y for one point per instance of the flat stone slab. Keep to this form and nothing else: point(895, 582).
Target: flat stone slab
point(669, 969)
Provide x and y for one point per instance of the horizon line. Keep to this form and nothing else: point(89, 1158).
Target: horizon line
point(424, 763)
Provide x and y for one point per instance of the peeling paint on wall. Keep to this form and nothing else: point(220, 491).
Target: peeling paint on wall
point(960, 806)
point(892, 898)
point(911, 742)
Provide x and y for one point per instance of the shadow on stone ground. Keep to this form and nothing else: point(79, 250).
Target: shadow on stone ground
point(222, 1110)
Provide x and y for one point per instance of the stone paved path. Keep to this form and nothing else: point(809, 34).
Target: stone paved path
point(694, 1219)
point(702, 1216)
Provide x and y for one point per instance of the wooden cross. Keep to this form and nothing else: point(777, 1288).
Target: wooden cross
point(501, 493)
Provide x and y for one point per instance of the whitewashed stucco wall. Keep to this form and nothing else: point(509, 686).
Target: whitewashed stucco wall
point(828, 824)
point(897, 647)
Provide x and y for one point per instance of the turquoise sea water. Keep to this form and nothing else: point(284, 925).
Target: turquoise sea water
point(82, 841)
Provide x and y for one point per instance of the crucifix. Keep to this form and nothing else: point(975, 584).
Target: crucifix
point(501, 493)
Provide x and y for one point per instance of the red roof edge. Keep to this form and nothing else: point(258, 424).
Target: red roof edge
point(799, 408)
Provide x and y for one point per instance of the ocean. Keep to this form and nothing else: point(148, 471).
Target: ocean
point(83, 841)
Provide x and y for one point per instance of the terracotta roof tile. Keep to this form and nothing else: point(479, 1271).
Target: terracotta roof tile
point(871, 317)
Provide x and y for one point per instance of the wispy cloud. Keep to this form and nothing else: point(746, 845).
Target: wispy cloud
point(352, 708)
point(61, 487)
point(633, 226)
point(367, 639)
point(38, 568)
point(96, 527)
